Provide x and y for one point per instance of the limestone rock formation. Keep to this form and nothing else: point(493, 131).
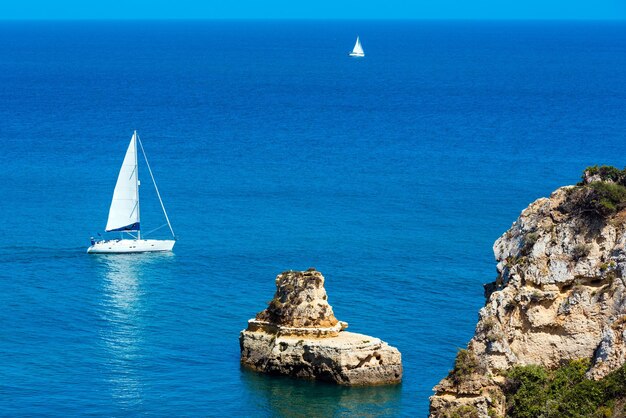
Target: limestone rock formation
point(560, 294)
point(299, 336)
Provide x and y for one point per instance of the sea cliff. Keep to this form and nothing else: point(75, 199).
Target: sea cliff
point(559, 299)
point(298, 335)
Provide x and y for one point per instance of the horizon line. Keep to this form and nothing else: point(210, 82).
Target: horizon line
point(385, 19)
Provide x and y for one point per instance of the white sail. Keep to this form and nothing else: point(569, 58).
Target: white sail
point(357, 51)
point(124, 211)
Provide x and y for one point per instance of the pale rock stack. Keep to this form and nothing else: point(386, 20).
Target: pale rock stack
point(559, 295)
point(299, 336)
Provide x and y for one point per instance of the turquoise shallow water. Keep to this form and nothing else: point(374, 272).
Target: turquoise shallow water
point(273, 150)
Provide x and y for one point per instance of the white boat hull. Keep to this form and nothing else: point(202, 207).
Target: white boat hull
point(356, 54)
point(123, 246)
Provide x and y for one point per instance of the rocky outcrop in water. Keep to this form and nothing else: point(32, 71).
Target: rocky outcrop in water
point(560, 294)
point(299, 336)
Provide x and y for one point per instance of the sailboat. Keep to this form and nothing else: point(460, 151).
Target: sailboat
point(124, 211)
point(357, 51)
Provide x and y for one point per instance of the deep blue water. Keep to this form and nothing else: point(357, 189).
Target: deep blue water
point(274, 150)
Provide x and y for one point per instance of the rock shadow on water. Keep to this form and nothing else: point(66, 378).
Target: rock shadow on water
point(287, 397)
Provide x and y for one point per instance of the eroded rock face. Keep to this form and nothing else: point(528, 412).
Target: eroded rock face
point(300, 301)
point(299, 336)
point(559, 295)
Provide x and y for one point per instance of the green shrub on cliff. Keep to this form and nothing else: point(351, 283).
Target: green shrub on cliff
point(465, 364)
point(607, 197)
point(606, 173)
point(525, 389)
point(602, 197)
point(533, 391)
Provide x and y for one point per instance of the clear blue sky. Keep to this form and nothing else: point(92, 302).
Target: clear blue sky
point(313, 9)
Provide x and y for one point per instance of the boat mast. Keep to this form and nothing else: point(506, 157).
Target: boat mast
point(137, 187)
point(155, 186)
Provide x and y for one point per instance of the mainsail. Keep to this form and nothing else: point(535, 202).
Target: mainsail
point(358, 49)
point(124, 212)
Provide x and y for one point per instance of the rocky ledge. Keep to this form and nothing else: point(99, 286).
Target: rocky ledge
point(559, 296)
point(299, 336)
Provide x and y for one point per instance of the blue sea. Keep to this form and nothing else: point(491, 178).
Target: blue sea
point(273, 150)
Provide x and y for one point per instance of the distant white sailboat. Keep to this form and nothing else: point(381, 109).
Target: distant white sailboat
point(357, 51)
point(124, 211)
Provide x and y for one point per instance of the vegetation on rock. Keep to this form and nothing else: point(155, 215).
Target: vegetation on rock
point(533, 391)
point(465, 364)
point(601, 193)
point(580, 250)
point(605, 173)
point(465, 411)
